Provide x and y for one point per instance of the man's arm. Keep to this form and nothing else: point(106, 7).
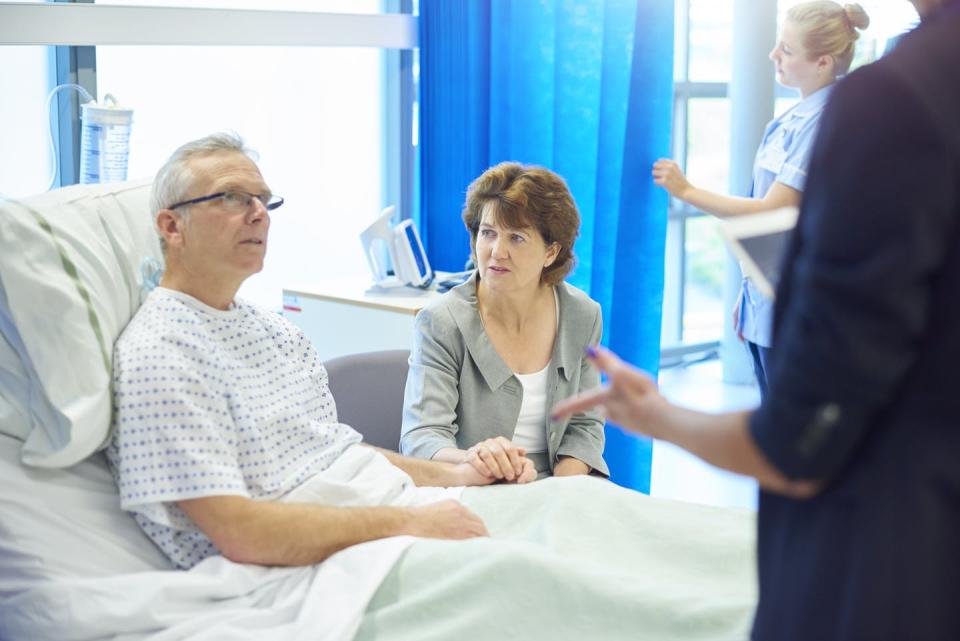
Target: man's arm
point(441, 474)
point(294, 534)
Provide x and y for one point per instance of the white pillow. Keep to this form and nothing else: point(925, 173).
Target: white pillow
point(14, 384)
point(65, 524)
point(22, 403)
point(70, 270)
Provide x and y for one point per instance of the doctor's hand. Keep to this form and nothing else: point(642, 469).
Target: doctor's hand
point(667, 174)
point(497, 458)
point(629, 397)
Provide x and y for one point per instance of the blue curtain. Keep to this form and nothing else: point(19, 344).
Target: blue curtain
point(584, 88)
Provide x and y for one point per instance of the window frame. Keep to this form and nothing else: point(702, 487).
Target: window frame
point(674, 349)
point(76, 27)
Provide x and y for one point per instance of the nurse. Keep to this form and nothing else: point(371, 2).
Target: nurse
point(815, 48)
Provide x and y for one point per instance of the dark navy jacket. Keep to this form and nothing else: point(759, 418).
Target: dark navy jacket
point(865, 371)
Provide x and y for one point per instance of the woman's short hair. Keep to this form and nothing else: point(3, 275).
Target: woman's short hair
point(527, 196)
point(830, 29)
point(174, 179)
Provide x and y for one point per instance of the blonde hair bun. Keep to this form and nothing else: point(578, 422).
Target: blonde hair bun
point(829, 29)
point(857, 16)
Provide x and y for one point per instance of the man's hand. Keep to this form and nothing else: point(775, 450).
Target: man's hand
point(467, 474)
point(497, 458)
point(445, 520)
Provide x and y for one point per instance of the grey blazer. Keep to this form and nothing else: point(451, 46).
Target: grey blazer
point(460, 392)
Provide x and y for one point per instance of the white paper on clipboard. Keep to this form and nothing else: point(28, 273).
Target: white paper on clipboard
point(758, 241)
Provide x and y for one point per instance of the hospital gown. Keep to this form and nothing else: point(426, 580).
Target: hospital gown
point(213, 403)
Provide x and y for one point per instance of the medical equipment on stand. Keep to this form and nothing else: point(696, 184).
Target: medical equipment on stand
point(395, 254)
point(104, 138)
point(104, 141)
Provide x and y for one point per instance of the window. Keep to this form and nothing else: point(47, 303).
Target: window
point(319, 6)
point(709, 46)
point(323, 118)
point(27, 74)
point(26, 162)
point(693, 300)
point(312, 113)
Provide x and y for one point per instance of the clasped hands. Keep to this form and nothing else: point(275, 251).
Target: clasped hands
point(498, 459)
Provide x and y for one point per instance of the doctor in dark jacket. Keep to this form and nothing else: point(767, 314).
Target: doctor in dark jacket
point(857, 446)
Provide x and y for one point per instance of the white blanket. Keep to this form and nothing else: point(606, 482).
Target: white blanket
point(567, 556)
point(222, 600)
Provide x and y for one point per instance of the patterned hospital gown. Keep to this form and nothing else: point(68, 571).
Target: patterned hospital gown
point(212, 403)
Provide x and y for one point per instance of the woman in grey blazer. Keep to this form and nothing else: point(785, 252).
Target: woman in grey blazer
point(495, 353)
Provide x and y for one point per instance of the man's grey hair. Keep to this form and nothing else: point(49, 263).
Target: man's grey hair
point(175, 178)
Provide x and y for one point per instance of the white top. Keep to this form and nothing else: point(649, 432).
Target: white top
point(531, 432)
point(211, 403)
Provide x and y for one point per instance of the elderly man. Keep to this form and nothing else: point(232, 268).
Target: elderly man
point(223, 416)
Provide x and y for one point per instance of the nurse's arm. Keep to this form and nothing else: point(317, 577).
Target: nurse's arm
point(779, 195)
point(668, 175)
point(721, 205)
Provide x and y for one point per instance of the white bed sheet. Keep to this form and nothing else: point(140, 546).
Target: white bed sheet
point(568, 558)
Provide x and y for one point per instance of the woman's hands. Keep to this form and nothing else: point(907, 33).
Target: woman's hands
point(467, 475)
point(498, 458)
point(668, 175)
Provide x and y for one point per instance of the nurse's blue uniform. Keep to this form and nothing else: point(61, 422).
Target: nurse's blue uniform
point(783, 157)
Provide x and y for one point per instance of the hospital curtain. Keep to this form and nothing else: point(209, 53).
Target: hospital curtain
point(584, 88)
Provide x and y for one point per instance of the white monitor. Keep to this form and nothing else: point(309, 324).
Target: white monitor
point(759, 241)
point(395, 254)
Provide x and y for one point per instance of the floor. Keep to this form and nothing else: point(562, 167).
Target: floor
point(679, 475)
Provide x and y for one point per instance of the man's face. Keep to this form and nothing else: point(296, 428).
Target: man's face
point(220, 241)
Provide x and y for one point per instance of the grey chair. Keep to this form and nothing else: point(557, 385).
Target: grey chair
point(368, 390)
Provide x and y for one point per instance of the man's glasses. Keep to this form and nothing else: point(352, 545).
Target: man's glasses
point(236, 201)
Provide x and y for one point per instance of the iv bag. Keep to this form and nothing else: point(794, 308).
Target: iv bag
point(104, 141)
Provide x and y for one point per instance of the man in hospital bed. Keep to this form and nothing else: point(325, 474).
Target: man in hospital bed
point(222, 410)
point(227, 451)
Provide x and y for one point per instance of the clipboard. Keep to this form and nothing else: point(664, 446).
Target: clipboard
point(759, 241)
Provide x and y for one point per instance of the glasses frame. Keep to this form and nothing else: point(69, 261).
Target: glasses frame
point(269, 206)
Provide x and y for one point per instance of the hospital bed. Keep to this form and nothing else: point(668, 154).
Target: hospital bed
point(567, 558)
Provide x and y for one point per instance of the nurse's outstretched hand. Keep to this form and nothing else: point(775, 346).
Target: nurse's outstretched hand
point(668, 175)
point(629, 397)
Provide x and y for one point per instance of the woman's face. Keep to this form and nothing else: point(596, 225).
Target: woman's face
point(511, 259)
point(793, 63)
